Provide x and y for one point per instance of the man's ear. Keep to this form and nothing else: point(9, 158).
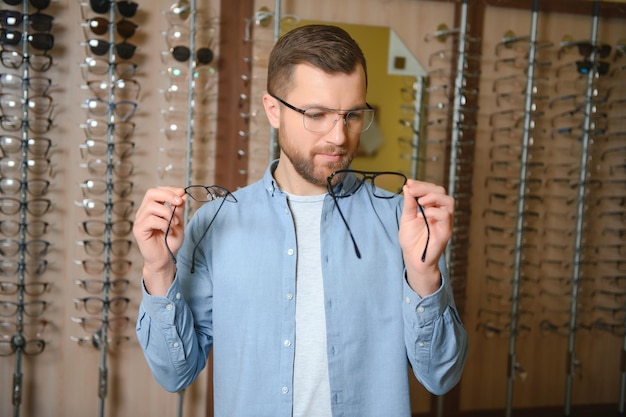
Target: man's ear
point(272, 110)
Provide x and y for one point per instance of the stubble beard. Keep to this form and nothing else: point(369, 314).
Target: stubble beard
point(305, 166)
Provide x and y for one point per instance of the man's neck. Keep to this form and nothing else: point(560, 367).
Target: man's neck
point(291, 182)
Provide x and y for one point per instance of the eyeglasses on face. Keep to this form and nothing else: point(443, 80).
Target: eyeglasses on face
point(97, 228)
point(95, 286)
point(385, 184)
point(101, 47)
point(38, 21)
point(40, 41)
point(201, 194)
point(34, 268)
point(36, 206)
point(322, 121)
point(33, 228)
point(15, 60)
point(101, 66)
point(100, 26)
point(121, 188)
point(38, 147)
point(27, 347)
point(31, 288)
point(95, 305)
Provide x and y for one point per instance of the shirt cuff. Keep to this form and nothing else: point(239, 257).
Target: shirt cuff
point(427, 309)
point(162, 309)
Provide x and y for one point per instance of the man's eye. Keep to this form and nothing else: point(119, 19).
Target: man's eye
point(316, 114)
point(355, 115)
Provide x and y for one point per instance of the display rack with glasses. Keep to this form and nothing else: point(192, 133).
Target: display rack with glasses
point(106, 152)
point(191, 39)
point(25, 172)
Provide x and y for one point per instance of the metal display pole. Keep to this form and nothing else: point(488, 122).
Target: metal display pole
point(420, 97)
point(517, 266)
point(273, 148)
point(572, 362)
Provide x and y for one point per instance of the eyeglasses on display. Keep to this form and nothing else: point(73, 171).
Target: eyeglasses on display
point(97, 266)
point(122, 89)
point(38, 21)
point(95, 305)
point(101, 47)
point(95, 207)
point(35, 187)
point(34, 268)
point(12, 167)
point(101, 147)
point(96, 247)
point(36, 248)
point(28, 347)
point(13, 123)
point(101, 66)
point(124, 109)
point(122, 188)
point(100, 26)
point(97, 128)
point(37, 4)
point(95, 286)
point(30, 329)
point(95, 340)
point(36, 206)
point(15, 60)
point(29, 308)
point(37, 84)
point(33, 228)
point(11, 103)
point(40, 41)
point(92, 325)
point(38, 147)
point(100, 166)
point(124, 8)
point(97, 228)
point(31, 288)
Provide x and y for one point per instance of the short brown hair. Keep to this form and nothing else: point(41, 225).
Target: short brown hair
point(329, 48)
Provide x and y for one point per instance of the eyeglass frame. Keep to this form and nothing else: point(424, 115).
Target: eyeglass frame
point(227, 196)
point(370, 175)
point(343, 116)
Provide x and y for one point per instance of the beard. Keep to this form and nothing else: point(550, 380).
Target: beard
point(305, 165)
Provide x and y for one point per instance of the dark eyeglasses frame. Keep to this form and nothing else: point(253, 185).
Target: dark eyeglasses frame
point(213, 192)
point(342, 113)
point(370, 175)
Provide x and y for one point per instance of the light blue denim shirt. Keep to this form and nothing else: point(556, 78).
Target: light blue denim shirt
point(240, 301)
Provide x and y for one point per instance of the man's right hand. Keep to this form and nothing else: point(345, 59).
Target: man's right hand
point(151, 223)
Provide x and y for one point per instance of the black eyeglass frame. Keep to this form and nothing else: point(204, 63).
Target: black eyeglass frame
point(213, 191)
point(370, 175)
point(343, 113)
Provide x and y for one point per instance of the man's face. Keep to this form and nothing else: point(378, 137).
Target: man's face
point(315, 156)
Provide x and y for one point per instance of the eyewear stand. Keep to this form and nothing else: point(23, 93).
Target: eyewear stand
point(513, 366)
point(273, 146)
point(19, 341)
point(101, 338)
point(572, 362)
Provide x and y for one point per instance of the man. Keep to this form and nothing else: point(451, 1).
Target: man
point(311, 302)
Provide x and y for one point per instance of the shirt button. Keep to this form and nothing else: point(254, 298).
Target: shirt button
point(420, 309)
point(289, 296)
point(420, 344)
point(169, 307)
point(287, 343)
point(285, 390)
point(407, 300)
point(290, 252)
point(175, 345)
point(178, 296)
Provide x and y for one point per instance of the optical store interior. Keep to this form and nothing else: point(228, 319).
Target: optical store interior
point(516, 107)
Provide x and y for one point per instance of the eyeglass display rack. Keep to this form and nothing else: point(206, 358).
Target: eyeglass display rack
point(111, 91)
point(20, 342)
point(535, 172)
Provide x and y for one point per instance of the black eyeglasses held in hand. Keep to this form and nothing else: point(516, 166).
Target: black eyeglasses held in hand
point(201, 194)
point(385, 184)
